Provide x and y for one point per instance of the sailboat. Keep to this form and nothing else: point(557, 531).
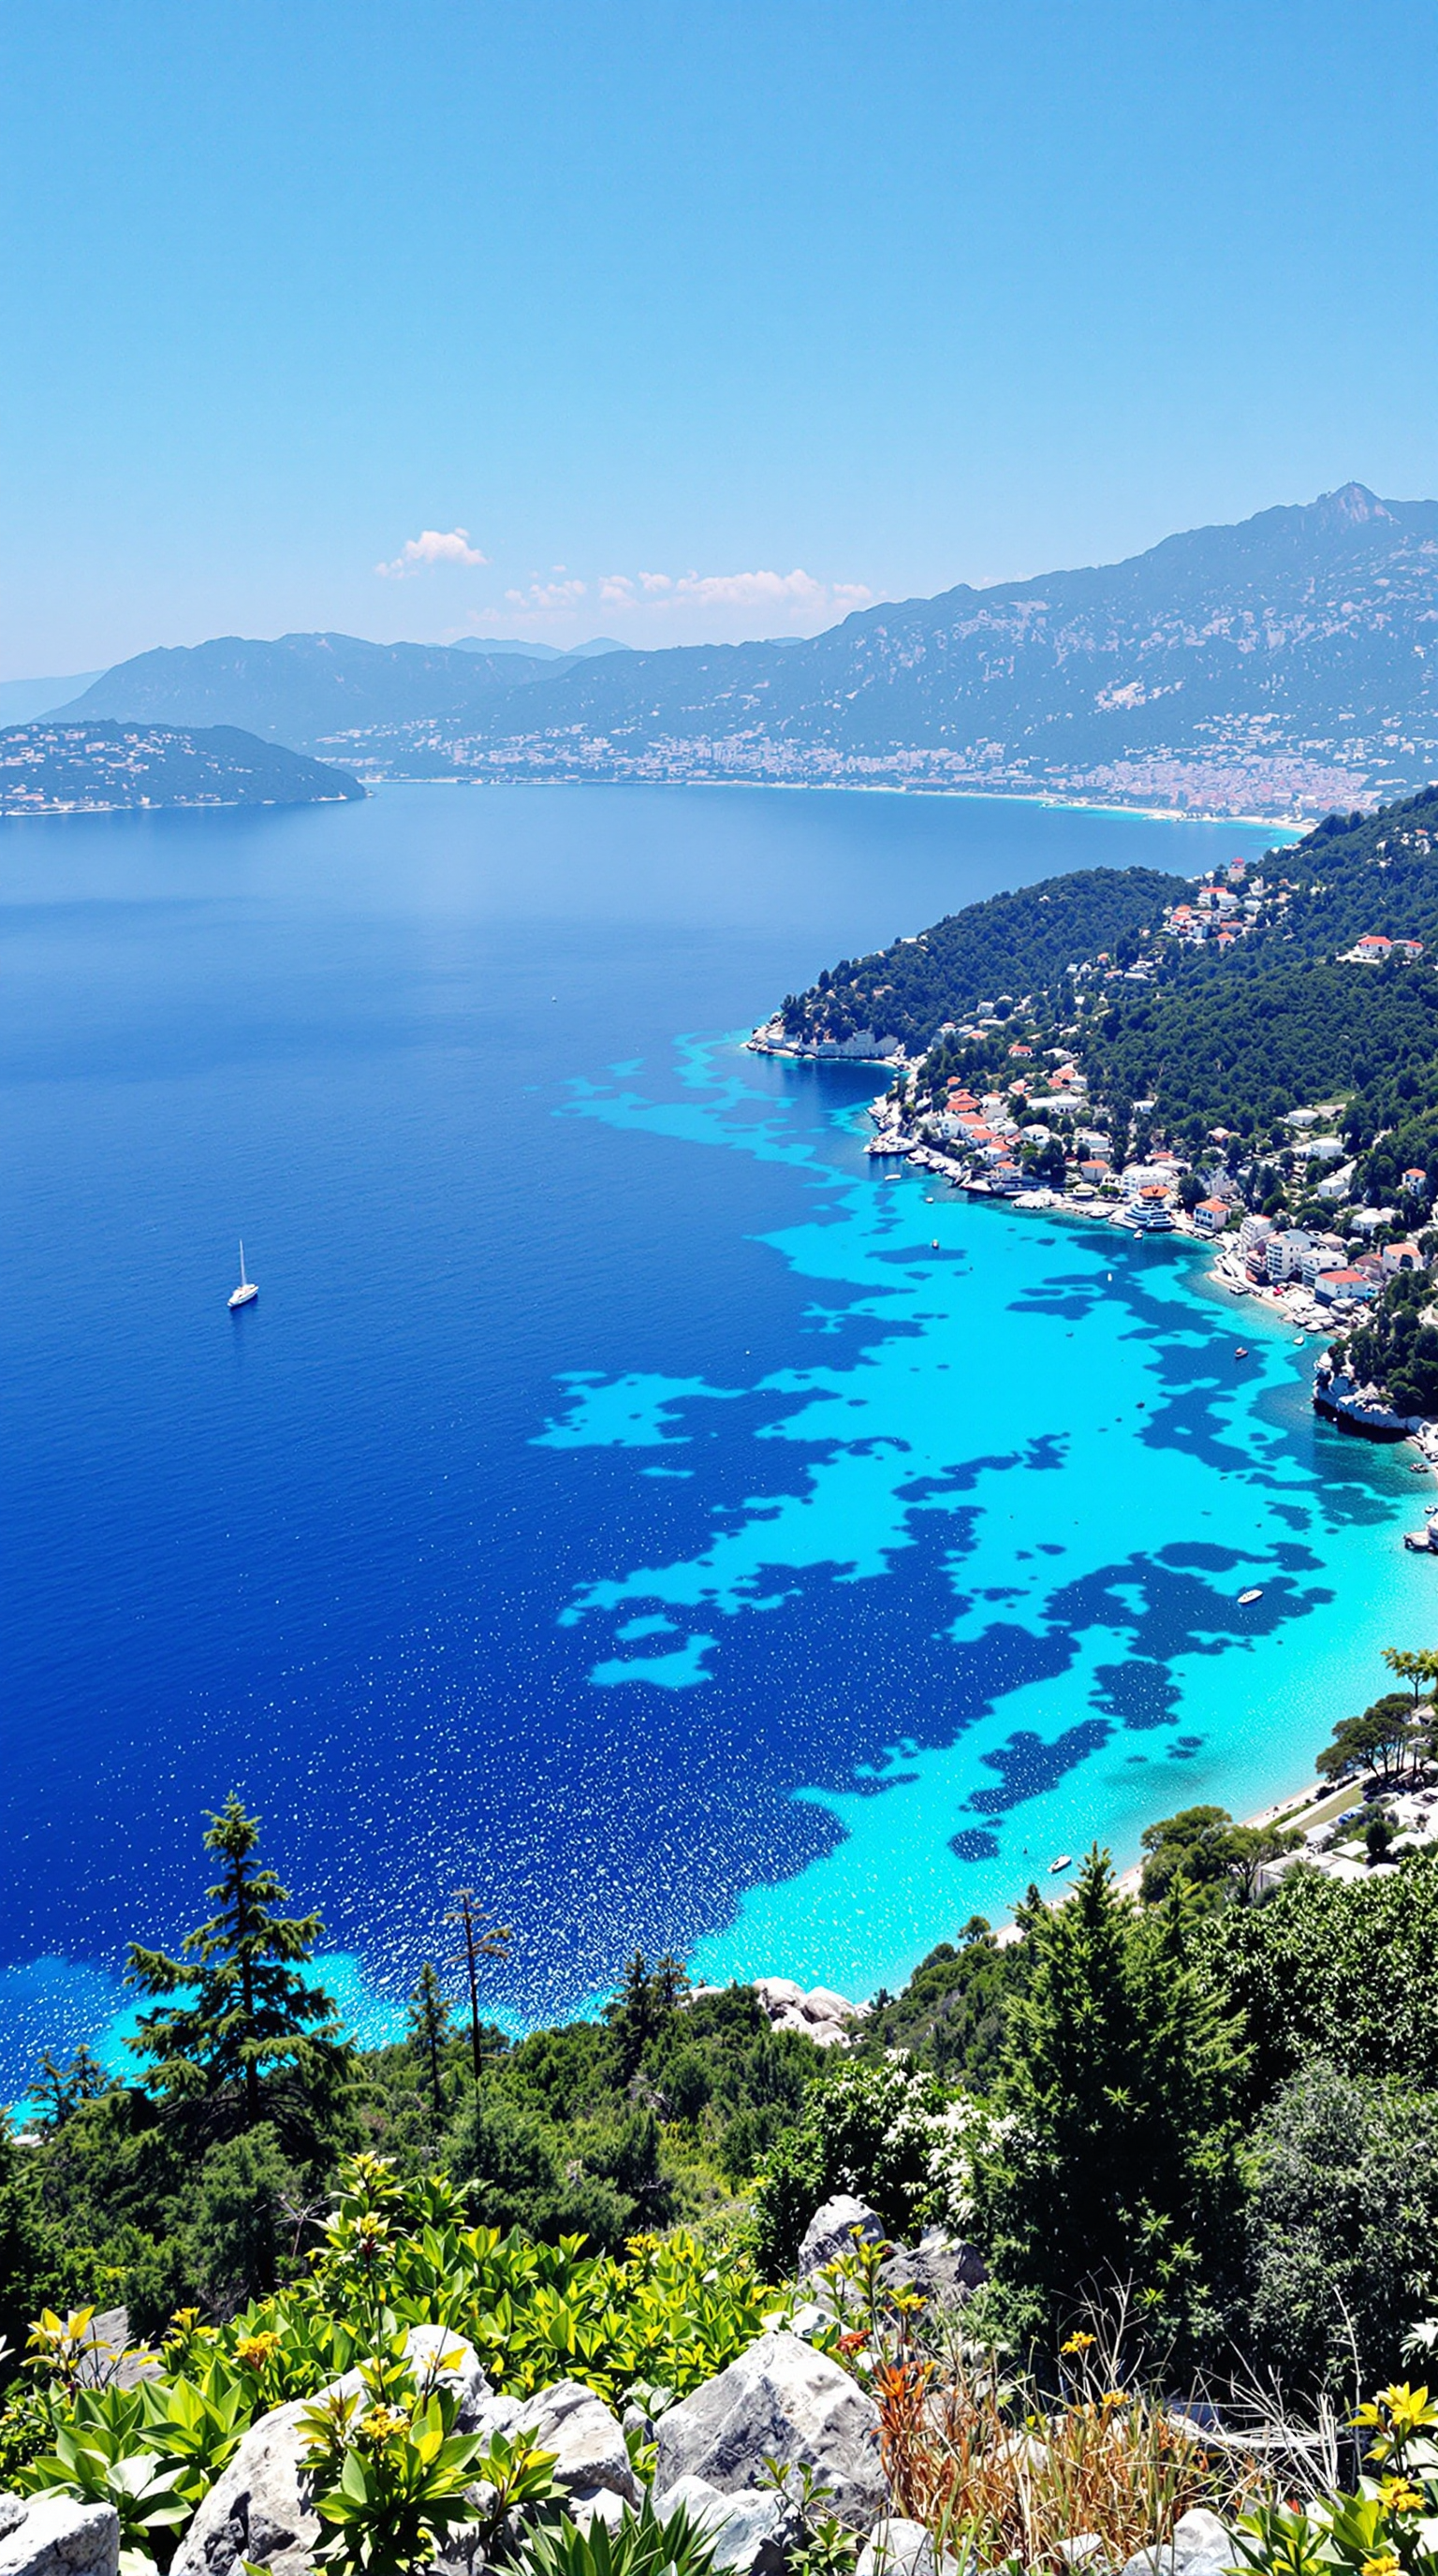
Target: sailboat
point(247, 1292)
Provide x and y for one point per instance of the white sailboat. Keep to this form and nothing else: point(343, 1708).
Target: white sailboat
point(246, 1292)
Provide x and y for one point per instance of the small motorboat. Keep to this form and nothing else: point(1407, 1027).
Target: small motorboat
point(1064, 1861)
point(247, 1292)
point(1254, 1593)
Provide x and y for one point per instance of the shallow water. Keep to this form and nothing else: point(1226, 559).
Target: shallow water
point(612, 1501)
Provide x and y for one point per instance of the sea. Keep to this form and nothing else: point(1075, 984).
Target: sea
point(624, 1499)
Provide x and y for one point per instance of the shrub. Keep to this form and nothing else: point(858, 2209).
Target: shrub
point(1343, 2227)
point(889, 2132)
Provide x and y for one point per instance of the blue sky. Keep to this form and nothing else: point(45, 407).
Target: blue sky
point(733, 314)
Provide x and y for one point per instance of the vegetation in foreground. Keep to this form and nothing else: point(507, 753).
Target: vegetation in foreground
point(1214, 2109)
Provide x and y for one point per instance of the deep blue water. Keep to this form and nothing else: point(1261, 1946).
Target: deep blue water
point(612, 1501)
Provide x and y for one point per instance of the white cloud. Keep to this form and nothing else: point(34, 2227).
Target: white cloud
point(653, 608)
point(547, 598)
point(796, 595)
point(431, 546)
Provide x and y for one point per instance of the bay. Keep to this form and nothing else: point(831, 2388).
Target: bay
point(613, 1501)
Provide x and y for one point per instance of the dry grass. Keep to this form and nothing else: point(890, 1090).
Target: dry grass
point(995, 2483)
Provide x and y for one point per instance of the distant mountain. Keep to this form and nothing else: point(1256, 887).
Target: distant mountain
point(307, 689)
point(100, 768)
point(1284, 666)
point(541, 652)
point(1288, 664)
point(22, 699)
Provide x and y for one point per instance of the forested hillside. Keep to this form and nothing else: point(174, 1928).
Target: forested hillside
point(1231, 1034)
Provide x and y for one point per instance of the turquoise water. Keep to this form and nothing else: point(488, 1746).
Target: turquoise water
point(613, 1501)
point(1054, 1436)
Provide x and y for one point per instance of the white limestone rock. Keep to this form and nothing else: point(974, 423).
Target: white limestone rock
point(780, 2400)
point(832, 2229)
point(1200, 2547)
point(751, 2533)
point(898, 2547)
point(54, 2535)
point(259, 2508)
point(591, 2455)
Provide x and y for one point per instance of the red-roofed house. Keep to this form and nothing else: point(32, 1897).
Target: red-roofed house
point(1211, 1215)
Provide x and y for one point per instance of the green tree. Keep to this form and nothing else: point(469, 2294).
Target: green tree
point(429, 2019)
point(1381, 1740)
point(483, 1939)
point(249, 2014)
point(1202, 1847)
point(1418, 1669)
point(1120, 2159)
point(644, 2007)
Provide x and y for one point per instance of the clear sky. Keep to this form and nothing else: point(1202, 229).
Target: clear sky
point(683, 321)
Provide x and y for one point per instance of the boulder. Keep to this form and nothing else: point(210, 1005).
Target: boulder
point(942, 2268)
point(1200, 2547)
point(428, 2346)
point(832, 2229)
point(783, 2401)
point(259, 2508)
point(591, 2455)
point(750, 2533)
point(897, 2547)
point(53, 2535)
point(820, 2014)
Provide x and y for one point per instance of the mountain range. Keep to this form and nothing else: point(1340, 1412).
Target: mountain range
point(1283, 666)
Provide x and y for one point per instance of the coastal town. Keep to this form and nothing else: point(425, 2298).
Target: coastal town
point(999, 1104)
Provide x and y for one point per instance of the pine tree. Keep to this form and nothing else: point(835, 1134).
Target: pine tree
point(53, 2090)
point(1119, 2163)
point(429, 2028)
point(250, 2015)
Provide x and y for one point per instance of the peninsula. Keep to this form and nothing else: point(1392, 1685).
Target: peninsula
point(1251, 1058)
point(103, 767)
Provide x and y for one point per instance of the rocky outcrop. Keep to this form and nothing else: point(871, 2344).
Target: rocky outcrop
point(942, 2268)
point(53, 2535)
point(831, 2232)
point(750, 2533)
point(820, 2014)
point(258, 2508)
point(591, 2457)
point(782, 2401)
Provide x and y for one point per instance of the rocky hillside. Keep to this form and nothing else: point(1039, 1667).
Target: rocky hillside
point(1282, 666)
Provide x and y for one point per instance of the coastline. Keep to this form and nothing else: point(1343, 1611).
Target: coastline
point(1294, 825)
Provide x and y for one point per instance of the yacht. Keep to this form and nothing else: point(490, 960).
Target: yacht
point(247, 1292)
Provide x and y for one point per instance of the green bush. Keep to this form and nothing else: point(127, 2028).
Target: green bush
point(1342, 2226)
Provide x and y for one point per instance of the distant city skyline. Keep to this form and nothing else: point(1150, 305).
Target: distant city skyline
point(683, 323)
